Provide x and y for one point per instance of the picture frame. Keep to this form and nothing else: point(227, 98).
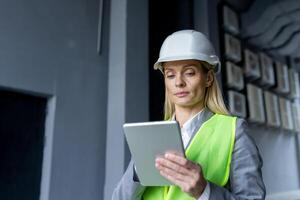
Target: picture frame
point(294, 84)
point(230, 20)
point(255, 104)
point(267, 78)
point(251, 64)
point(286, 114)
point(282, 78)
point(232, 48)
point(272, 109)
point(296, 115)
point(234, 76)
point(237, 103)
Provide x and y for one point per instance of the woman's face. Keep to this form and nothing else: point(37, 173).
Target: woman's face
point(186, 82)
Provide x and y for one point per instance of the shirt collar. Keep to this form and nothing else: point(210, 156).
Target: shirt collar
point(191, 124)
point(195, 122)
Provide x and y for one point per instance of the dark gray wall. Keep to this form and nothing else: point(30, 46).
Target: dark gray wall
point(49, 48)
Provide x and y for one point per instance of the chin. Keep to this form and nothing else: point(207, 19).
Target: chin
point(186, 102)
point(183, 103)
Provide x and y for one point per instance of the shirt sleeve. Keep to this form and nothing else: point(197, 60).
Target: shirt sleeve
point(128, 188)
point(206, 193)
point(245, 180)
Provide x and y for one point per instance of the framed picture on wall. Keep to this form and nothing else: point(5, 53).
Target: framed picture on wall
point(237, 103)
point(252, 68)
point(230, 20)
point(255, 104)
point(234, 76)
point(282, 78)
point(267, 70)
point(294, 84)
point(286, 114)
point(296, 115)
point(232, 48)
point(272, 109)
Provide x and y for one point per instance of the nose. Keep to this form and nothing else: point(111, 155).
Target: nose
point(179, 82)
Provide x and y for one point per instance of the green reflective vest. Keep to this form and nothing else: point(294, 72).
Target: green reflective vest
point(211, 147)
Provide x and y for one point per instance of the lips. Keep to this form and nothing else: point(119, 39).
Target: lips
point(181, 94)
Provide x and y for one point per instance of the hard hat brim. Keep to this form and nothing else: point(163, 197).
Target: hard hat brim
point(212, 60)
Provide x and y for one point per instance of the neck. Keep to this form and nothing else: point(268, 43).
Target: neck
point(183, 114)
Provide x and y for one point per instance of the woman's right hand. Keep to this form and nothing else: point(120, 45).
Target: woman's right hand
point(183, 173)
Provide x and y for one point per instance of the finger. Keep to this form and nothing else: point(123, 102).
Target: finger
point(189, 179)
point(176, 153)
point(174, 174)
point(179, 159)
point(193, 170)
point(173, 166)
point(186, 175)
point(183, 161)
point(187, 184)
point(174, 180)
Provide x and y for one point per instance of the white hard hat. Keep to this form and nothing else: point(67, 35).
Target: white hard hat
point(186, 45)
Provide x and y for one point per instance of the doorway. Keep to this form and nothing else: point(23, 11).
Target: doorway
point(22, 133)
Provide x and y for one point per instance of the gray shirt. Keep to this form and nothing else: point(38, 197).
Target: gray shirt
point(245, 180)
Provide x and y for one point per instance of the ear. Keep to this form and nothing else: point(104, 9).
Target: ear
point(209, 78)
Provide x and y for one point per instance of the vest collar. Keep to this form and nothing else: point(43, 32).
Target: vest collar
point(197, 122)
point(205, 115)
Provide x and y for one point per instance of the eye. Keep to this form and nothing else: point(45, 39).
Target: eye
point(170, 76)
point(190, 73)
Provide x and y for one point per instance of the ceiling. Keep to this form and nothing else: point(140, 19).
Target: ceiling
point(271, 25)
point(275, 29)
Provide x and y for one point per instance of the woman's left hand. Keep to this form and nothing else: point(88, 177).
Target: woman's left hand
point(183, 173)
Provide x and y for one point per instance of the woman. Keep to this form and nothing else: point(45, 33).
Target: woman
point(222, 162)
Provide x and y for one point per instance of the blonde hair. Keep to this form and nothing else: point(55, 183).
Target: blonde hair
point(213, 99)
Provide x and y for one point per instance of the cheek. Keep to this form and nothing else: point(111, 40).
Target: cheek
point(168, 85)
point(201, 92)
point(199, 87)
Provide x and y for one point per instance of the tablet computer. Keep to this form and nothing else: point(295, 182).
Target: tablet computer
point(148, 140)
